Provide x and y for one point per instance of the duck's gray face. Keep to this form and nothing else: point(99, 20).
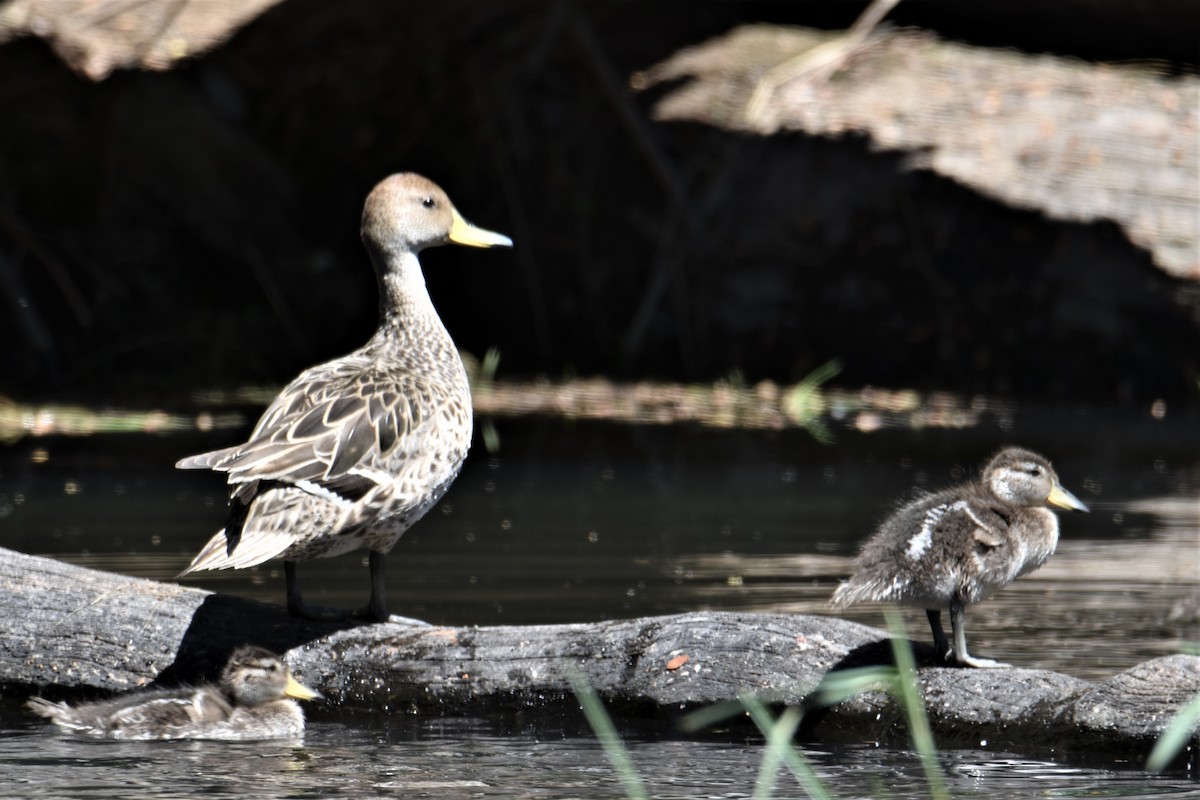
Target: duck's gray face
point(409, 212)
point(1025, 479)
point(254, 677)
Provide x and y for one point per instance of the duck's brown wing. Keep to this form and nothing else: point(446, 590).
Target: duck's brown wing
point(169, 717)
point(918, 555)
point(968, 520)
point(341, 429)
point(166, 714)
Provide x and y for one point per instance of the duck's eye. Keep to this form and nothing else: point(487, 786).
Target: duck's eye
point(429, 202)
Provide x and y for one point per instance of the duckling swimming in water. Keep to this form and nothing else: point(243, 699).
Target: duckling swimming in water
point(251, 702)
point(955, 547)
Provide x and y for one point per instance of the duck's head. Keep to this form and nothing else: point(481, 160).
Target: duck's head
point(254, 676)
point(1023, 477)
point(407, 212)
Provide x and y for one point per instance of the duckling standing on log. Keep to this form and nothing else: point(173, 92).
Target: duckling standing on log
point(251, 702)
point(954, 548)
point(354, 451)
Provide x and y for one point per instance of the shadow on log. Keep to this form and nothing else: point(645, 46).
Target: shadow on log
point(70, 631)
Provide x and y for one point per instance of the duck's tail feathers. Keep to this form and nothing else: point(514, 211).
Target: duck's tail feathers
point(838, 600)
point(59, 712)
point(251, 549)
point(848, 593)
point(210, 460)
point(871, 588)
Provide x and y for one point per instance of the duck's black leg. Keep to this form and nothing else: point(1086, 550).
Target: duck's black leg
point(377, 607)
point(296, 605)
point(940, 644)
point(958, 616)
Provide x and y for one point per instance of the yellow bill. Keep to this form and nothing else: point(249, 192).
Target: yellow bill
point(463, 232)
point(299, 691)
point(1063, 499)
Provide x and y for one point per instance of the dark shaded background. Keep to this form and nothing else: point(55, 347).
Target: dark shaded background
point(164, 232)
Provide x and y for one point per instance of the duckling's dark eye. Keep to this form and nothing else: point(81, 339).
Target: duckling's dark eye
point(429, 202)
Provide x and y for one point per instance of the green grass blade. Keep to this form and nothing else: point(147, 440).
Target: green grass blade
point(490, 364)
point(910, 698)
point(844, 684)
point(779, 739)
point(606, 734)
point(827, 371)
point(779, 745)
point(1175, 737)
point(708, 716)
point(491, 437)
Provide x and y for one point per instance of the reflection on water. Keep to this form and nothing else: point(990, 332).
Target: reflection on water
point(473, 759)
point(572, 522)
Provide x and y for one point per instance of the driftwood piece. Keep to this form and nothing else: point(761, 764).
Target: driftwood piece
point(97, 37)
point(1076, 141)
point(68, 630)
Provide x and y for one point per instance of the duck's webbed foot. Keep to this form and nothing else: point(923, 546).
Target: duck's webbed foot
point(298, 608)
point(412, 622)
point(959, 654)
point(318, 613)
point(968, 660)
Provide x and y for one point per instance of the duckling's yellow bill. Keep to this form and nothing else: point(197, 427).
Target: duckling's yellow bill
point(298, 690)
point(1064, 499)
point(463, 232)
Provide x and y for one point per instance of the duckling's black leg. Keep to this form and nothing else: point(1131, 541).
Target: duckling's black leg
point(296, 605)
point(940, 644)
point(958, 616)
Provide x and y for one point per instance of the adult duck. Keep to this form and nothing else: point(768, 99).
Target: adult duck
point(354, 451)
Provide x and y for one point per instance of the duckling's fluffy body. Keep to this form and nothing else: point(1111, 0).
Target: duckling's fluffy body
point(955, 547)
point(354, 451)
point(253, 701)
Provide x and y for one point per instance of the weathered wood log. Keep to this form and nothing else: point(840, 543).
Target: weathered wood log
point(98, 38)
point(70, 630)
point(1072, 140)
point(85, 630)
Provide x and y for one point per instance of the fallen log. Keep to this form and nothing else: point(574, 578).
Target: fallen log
point(70, 631)
point(1072, 140)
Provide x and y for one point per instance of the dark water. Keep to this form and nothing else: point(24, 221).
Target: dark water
point(471, 759)
point(572, 522)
